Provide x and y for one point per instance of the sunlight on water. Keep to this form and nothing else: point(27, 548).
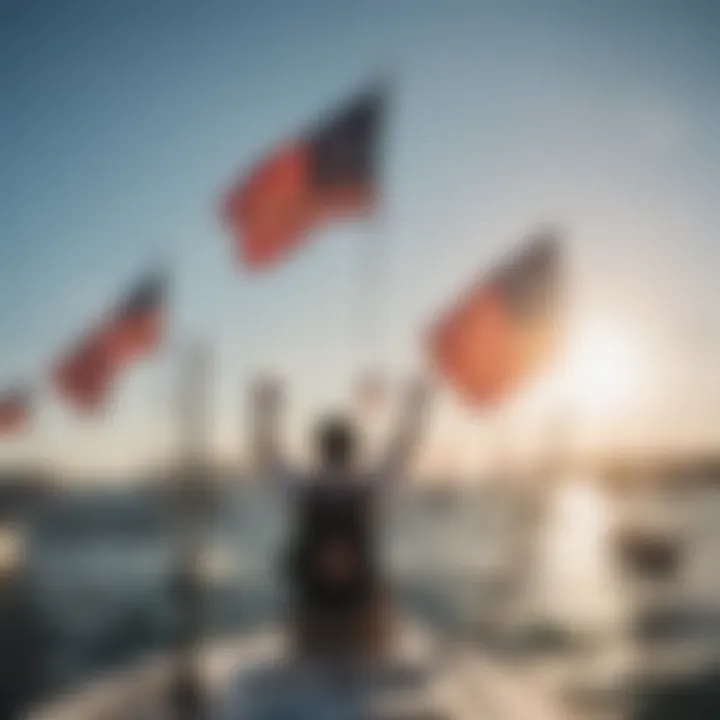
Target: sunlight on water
point(576, 580)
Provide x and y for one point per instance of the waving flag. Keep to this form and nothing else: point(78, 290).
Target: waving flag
point(84, 376)
point(14, 411)
point(505, 328)
point(136, 328)
point(327, 173)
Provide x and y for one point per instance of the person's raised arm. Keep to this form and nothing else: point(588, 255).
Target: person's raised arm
point(409, 427)
point(267, 407)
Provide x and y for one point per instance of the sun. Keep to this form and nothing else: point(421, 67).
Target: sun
point(602, 368)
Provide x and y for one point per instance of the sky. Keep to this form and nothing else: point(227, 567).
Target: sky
point(123, 121)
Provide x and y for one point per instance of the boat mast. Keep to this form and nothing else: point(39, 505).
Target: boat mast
point(191, 495)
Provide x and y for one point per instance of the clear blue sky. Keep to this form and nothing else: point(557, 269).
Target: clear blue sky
point(122, 121)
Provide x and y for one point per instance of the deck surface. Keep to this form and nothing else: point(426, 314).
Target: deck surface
point(254, 678)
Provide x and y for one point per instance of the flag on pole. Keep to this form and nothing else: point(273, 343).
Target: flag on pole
point(327, 173)
point(83, 375)
point(15, 411)
point(134, 329)
point(505, 328)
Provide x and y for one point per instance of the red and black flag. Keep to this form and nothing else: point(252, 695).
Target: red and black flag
point(505, 328)
point(85, 375)
point(330, 172)
point(136, 327)
point(15, 411)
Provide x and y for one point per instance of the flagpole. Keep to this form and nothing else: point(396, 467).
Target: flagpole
point(37, 434)
point(534, 495)
point(161, 399)
point(367, 298)
point(372, 260)
point(191, 505)
point(39, 429)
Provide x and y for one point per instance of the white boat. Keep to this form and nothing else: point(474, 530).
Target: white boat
point(255, 677)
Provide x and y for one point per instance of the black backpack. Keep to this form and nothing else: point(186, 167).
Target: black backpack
point(327, 515)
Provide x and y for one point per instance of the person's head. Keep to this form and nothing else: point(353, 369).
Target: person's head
point(335, 443)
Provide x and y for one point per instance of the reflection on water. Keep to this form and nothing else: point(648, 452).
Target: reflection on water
point(101, 582)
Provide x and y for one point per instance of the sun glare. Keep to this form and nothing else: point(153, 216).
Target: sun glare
point(601, 368)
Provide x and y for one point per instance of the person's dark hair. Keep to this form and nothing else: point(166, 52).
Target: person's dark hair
point(335, 442)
